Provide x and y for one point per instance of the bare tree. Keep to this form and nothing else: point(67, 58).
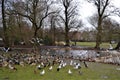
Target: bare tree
point(53, 21)
point(5, 38)
point(35, 11)
point(117, 12)
point(68, 17)
point(102, 9)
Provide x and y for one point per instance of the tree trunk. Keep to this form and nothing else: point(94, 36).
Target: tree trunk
point(35, 33)
point(5, 38)
point(67, 38)
point(118, 46)
point(66, 34)
point(99, 33)
point(54, 35)
point(66, 27)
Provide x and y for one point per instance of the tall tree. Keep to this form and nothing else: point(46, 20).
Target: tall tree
point(35, 11)
point(53, 20)
point(102, 7)
point(5, 38)
point(68, 17)
point(118, 32)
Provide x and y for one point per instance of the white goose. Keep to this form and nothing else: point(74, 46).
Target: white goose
point(69, 71)
point(76, 67)
point(59, 66)
point(64, 64)
point(10, 67)
point(42, 63)
point(38, 67)
point(71, 62)
point(42, 73)
point(50, 68)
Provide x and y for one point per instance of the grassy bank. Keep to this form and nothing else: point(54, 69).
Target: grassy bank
point(92, 44)
point(96, 71)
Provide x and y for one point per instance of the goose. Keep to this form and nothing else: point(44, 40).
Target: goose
point(85, 64)
point(76, 67)
point(64, 64)
point(110, 48)
point(71, 62)
point(69, 71)
point(75, 63)
point(38, 67)
point(59, 66)
point(80, 72)
point(117, 68)
point(50, 68)
point(42, 63)
point(79, 66)
point(35, 71)
point(12, 67)
point(42, 73)
point(58, 69)
point(6, 49)
point(22, 63)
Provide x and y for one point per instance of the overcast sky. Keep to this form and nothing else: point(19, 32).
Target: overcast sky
point(87, 10)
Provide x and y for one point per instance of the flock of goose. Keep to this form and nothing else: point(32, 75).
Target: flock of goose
point(61, 64)
point(46, 59)
point(42, 61)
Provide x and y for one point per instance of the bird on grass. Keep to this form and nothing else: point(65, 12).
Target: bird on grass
point(69, 71)
point(35, 71)
point(50, 68)
point(6, 49)
point(12, 67)
point(86, 65)
point(71, 62)
point(64, 64)
point(80, 72)
point(42, 73)
point(77, 66)
point(39, 67)
point(58, 69)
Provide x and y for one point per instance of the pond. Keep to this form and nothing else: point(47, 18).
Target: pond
point(83, 54)
point(91, 55)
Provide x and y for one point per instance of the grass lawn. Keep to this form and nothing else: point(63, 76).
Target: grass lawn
point(96, 71)
point(92, 44)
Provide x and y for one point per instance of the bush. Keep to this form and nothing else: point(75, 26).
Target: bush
point(47, 41)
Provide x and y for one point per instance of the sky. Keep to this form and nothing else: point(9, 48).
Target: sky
point(87, 10)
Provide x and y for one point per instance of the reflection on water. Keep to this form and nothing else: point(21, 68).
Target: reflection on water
point(74, 53)
point(91, 55)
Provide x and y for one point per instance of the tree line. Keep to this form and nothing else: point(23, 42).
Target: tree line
point(56, 20)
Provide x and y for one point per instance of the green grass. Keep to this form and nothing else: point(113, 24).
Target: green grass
point(96, 71)
point(92, 44)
